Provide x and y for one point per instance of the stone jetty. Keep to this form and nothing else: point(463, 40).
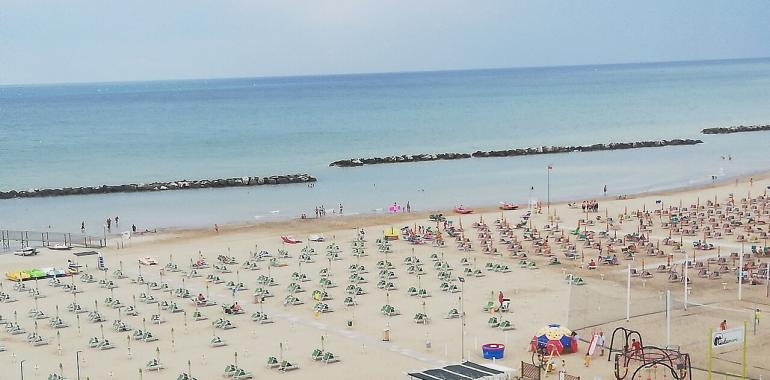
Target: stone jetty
point(160, 186)
point(353, 162)
point(736, 129)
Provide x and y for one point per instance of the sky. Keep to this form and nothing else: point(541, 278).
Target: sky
point(58, 41)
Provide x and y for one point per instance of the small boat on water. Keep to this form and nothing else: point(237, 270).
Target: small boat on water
point(463, 210)
point(508, 206)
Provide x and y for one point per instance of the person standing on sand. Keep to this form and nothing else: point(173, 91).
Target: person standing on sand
point(500, 298)
point(133, 228)
point(408, 207)
point(216, 228)
point(600, 343)
point(605, 190)
point(723, 325)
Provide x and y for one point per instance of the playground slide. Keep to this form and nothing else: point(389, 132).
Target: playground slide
point(592, 346)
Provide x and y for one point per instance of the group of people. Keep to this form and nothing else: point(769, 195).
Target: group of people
point(320, 211)
point(590, 206)
point(108, 224)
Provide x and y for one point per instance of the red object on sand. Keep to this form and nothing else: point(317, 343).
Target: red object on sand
point(509, 206)
point(463, 210)
point(290, 240)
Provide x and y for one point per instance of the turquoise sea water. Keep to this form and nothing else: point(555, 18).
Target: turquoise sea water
point(114, 133)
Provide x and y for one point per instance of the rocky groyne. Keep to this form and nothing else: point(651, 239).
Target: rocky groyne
point(160, 186)
point(736, 129)
point(353, 162)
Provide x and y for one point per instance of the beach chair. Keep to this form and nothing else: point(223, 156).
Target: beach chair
point(153, 365)
point(242, 374)
point(285, 366)
point(292, 301)
point(148, 337)
point(412, 291)
point(329, 358)
point(389, 311)
point(452, 314)
point(493, 322)
point(105, 345)
point(578, 281)
point(673, 277)
point(505, 325)
point(294, 288)
point(421, 318)
point(217, 342)
point(94, 342)
point(317, 354)
point(301, 277)
point(423, 293)
point(489, 306)
point(349, 302)
point(322, 308)
point(554, 261)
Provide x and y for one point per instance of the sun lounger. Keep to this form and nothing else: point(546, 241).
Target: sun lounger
point(272, 362)
point(505, 325)
point(285, 366)
point(329, 358)
point(217, 342)
point(421, 318)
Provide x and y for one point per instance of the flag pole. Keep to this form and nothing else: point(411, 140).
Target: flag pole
point(548, 200)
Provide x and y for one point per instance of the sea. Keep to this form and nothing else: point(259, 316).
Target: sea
point(137, 132)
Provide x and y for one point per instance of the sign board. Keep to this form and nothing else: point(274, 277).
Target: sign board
point(727, 337)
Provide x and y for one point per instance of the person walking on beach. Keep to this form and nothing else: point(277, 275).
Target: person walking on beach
point(133, 228)
point(408, 207)
point(500, 298)
point(723, 325)
point(600, 343)
point(340, 208)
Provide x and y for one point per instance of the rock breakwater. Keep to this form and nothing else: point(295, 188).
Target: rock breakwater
point(353, 162)
point(736, 129)
point(160, 186)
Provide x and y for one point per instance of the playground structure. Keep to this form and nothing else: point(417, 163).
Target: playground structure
point(635, 361)
point(549, 343)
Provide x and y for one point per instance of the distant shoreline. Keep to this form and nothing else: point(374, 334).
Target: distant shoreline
point(372, 218)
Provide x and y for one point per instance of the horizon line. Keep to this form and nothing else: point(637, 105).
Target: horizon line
point(417, 71)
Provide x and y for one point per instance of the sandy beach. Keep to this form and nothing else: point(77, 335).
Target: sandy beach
point(353, 329)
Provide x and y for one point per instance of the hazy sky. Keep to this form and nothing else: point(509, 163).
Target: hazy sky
point(43, 41)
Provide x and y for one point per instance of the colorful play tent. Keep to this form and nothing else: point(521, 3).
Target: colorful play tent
point(554, 337)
